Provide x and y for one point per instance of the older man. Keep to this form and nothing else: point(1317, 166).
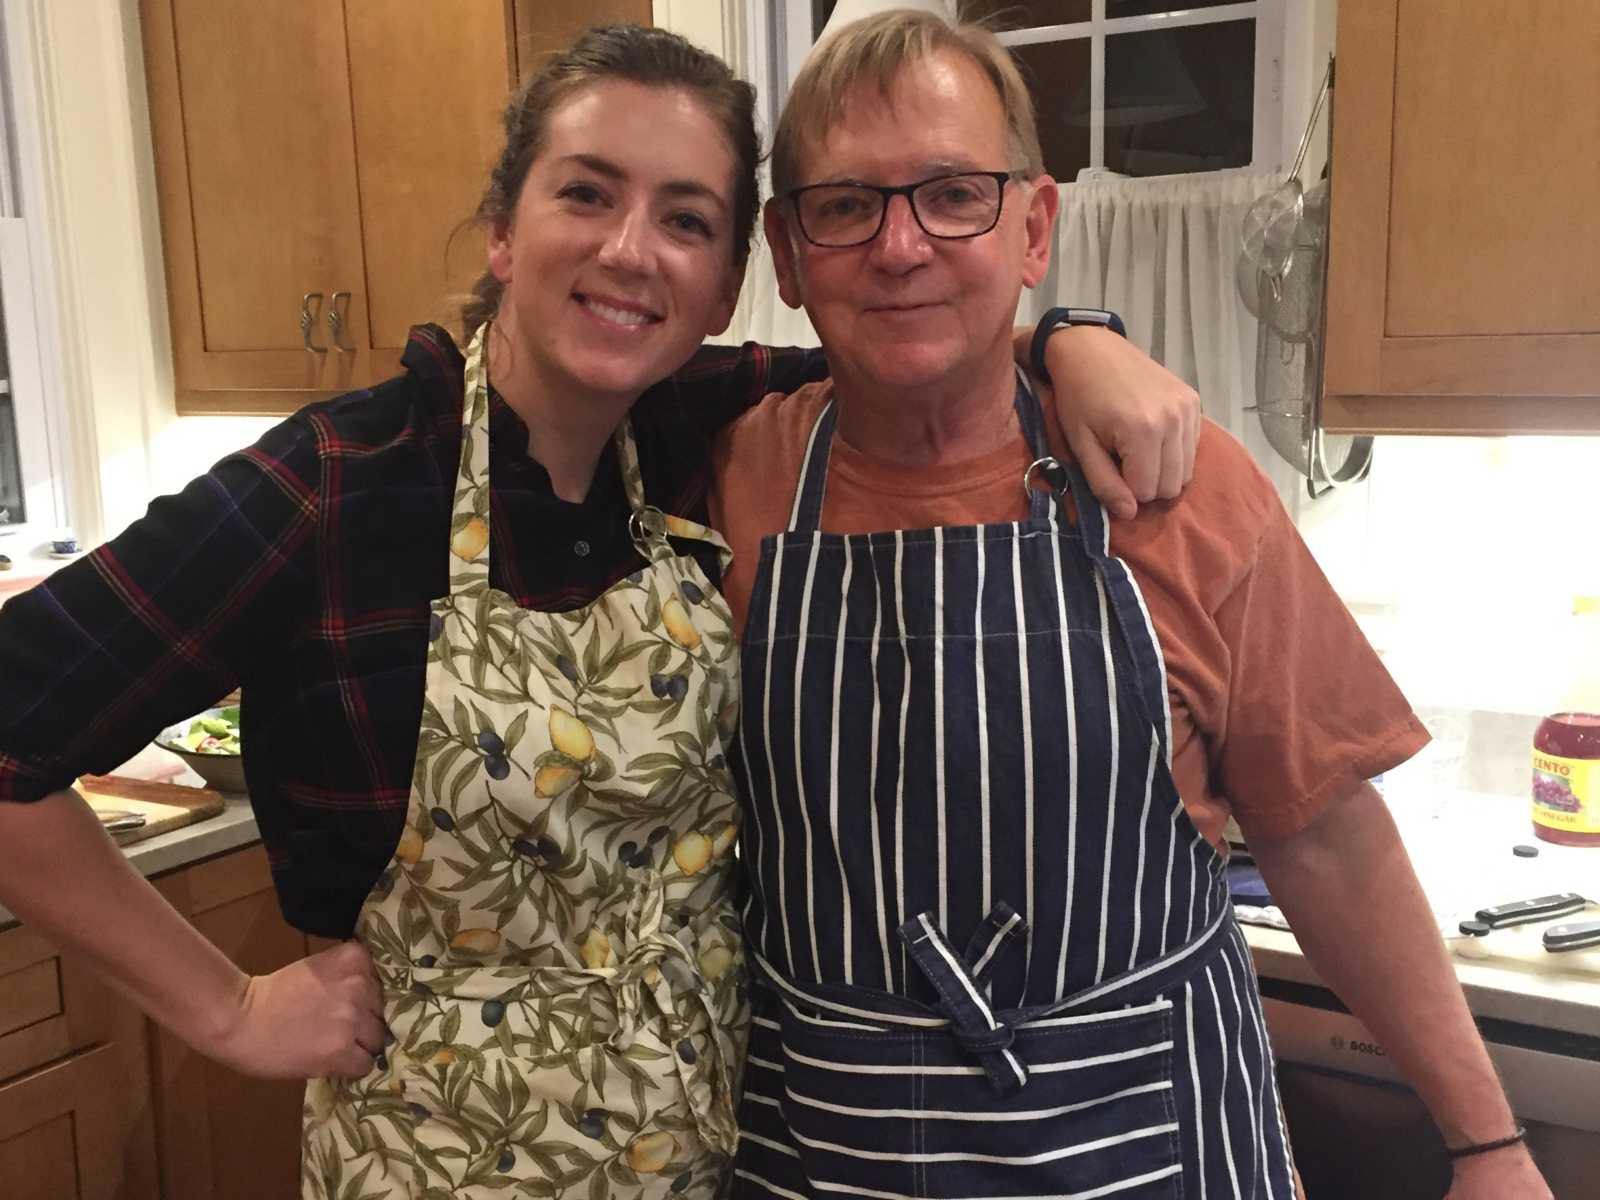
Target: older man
point(989, 741)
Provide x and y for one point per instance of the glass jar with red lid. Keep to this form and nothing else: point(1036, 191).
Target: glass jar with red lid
point(1566, 779)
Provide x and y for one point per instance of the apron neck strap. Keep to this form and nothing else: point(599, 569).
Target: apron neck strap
point(805, 516)
point(470, 511)
point(647, 525)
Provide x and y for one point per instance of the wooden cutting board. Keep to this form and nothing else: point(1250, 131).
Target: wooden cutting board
point(165, 806)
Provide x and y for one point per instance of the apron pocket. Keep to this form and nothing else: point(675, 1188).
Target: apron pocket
point(848, 1100)
point(914, 1114)
point(593, 1118)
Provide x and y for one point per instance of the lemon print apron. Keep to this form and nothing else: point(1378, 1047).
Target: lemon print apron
point(555, 935)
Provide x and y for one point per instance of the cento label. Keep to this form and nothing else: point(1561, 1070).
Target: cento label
point(1566, 793)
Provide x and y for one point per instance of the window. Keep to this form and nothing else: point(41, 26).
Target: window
point(32, 495)
point(1143, 87)
point(28, 502)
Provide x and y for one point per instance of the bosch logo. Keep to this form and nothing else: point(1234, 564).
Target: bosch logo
point(1336, 1042)
point(1368, 1048)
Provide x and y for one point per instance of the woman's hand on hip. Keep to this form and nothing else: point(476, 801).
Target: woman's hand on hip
point(322, 1015)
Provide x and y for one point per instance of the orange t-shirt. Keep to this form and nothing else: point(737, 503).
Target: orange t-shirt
point(1279, 705)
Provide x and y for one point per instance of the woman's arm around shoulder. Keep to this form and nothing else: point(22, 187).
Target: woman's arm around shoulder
point(1132, 424)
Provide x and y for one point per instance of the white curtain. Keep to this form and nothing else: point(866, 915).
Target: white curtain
point(761, 315)
point(1161, 253)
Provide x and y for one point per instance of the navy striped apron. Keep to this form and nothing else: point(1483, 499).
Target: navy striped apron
point(994, 957)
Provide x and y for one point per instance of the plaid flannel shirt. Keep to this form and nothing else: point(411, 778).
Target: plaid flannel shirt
point(301, 570)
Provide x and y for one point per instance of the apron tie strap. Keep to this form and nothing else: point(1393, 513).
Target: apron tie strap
point(656, 964)
point(993, 939)
point(972, 1021)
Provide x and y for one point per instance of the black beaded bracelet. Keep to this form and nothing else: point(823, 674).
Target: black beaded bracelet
point(1484, 1147)
point(1068, 316)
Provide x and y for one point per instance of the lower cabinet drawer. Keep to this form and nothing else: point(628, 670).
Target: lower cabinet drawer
point(48, 1008)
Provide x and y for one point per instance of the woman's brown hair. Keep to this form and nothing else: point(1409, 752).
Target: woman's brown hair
point(653, 57)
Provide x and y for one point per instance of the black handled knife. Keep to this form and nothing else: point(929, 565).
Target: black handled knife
point(1574, 935)
point(1540, 908)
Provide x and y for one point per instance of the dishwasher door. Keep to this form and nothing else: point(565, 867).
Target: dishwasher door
point(1358, 1132)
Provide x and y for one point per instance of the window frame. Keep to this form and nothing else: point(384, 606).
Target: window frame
point(1282, 63)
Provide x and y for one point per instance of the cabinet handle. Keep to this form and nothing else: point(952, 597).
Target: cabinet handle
point(308, 321)
point(336, 320)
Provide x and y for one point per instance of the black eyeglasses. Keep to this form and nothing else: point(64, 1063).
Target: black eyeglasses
point(964, 205)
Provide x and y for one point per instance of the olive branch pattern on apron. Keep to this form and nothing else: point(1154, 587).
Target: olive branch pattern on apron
point(562, 966)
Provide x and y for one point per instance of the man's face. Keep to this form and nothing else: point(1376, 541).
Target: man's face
point(908, 310)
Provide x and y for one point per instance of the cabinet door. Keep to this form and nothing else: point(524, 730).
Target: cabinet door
point(427, 128)
point(1464, 265)
point(72, 1131)
point(254, 144)
point(218, 1132)
point(54, 1013)
point(80, 1128)
point(543, 27)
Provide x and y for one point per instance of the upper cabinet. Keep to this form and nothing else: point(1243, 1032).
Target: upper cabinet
point(1464, 250)
point(317, 164)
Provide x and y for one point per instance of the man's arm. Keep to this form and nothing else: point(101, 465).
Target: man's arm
point(1132, 424)
point(1347, 887)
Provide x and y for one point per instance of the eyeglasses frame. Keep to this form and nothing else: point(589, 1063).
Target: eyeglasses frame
point(906, 190)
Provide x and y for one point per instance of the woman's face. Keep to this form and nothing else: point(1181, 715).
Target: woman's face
point(618, 259)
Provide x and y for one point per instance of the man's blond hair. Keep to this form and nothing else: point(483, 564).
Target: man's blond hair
point(871, 53)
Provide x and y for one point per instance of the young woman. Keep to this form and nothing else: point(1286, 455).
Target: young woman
point(487, 677)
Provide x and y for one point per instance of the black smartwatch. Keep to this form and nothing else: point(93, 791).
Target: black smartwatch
point(1068, 316)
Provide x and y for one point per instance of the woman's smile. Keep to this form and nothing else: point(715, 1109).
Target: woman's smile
point(617, 313)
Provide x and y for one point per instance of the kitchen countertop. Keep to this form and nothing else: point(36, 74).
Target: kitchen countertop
point(232, 829)
point(1460, 844)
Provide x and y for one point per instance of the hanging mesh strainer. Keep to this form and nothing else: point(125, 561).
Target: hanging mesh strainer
point(1271, 225)
point(1281, 271)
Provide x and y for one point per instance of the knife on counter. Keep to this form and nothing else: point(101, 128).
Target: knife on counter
point(121, 820)
point(1540, 908)
point(1574, 935)
point(1558, 939)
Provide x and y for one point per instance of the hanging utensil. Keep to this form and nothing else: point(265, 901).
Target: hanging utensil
point(1272, 223)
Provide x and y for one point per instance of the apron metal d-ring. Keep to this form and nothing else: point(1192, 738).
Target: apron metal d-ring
point(1053, 472)
point(647, 524)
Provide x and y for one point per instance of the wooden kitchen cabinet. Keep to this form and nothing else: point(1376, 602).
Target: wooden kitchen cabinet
point(543, 27)
point(1464, 247)
point(316, 146)
point(76, 1120)
point(335, 149)
point(218, 1132)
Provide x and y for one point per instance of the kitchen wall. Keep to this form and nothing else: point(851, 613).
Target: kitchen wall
point(1465, 558)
